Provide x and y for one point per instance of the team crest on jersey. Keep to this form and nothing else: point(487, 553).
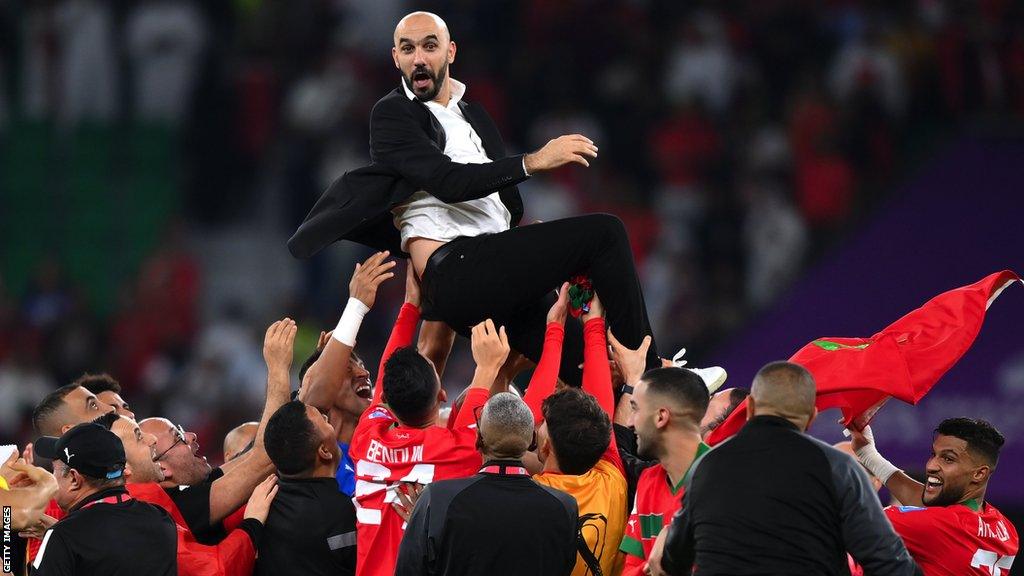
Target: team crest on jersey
point(379, 413)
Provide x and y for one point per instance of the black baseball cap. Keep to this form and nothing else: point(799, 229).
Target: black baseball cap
point(89, 448)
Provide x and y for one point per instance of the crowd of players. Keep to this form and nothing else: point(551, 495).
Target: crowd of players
point(343, 476)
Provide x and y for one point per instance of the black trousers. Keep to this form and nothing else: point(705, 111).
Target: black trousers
point(511, 277)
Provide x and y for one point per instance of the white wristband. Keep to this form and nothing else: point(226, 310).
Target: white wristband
point(348, 326)
point(870, 458)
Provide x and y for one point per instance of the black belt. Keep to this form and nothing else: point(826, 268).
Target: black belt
point(440, 254)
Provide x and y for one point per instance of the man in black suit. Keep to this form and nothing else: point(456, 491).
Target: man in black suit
point(442, 189)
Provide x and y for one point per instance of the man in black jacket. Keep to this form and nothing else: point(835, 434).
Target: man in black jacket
point(773, 500)
point(311, 528)
point(106, 531)
point(442, 189)
point(499, 521)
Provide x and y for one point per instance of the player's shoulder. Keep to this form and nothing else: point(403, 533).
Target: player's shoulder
point(393, 101)
point(650, 476)
point(610, 471)
point(377, 415)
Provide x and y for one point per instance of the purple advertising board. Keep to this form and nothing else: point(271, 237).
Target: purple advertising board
point(957, 220)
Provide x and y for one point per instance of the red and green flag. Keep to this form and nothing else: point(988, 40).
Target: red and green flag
point(903, 361)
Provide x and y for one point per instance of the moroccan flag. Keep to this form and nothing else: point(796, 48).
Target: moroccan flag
point(903, 361)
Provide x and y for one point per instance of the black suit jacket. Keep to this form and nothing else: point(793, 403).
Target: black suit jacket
point(407, 153)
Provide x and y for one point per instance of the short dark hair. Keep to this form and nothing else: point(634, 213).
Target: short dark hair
point(317, 352)
point(291, 440)
point(97, 383)
point(680, 385)
point(982, 438)
point(579, 429)
point(736, 397)
point(410, 384)
point(43, 413)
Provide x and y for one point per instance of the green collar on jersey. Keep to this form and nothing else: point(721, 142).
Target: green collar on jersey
point(701, 449)
point(973, 504)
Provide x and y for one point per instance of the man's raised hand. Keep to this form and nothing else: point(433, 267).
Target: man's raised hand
point(279, 346)
point(596, 309)
point(490, 345)
point(258, 506)
point(561, 151)
point(632, 363)
point(560, 308)
point(368, 276)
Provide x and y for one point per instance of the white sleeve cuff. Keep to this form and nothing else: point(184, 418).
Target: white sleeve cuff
point(351, 320)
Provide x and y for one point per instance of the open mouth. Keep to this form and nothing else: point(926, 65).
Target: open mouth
point(933, 485)
point(421, 80)
point(364, 390)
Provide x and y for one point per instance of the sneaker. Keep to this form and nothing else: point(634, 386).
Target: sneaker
point(713, 377)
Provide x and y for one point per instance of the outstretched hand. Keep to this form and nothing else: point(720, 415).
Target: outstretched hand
point(560, 308)
point(490, 345)
point(279, 345)
point(632, 363)
point(258, 506)
point(561, 151)
point(596, 309)
point(368, 276)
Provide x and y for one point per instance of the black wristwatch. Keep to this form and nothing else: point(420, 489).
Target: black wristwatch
point(627, 389)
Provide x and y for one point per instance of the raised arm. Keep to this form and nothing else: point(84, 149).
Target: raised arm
point(597, 375)
point(324, 378)
point(398, 140)
point(902, 487)
point(403, 331)
point(490, 349)
point(231, 490)
point(632, 365)
point(545, 376)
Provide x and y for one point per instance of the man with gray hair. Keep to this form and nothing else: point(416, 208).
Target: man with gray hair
point(773, 500)
point(457, 523)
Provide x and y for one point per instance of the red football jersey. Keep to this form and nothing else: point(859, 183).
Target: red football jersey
point(655, 503)
point(385, 454)
point(957, 540)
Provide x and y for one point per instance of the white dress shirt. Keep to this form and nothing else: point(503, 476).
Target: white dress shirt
point(424, 216)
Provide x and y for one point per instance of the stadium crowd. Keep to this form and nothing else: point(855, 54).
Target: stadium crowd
point(763, 131)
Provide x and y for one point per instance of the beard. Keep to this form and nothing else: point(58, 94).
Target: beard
point(946, 497)
point(645, 450)
point(428, 94)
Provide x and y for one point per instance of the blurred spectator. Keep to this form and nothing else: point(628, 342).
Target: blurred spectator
point(48, 299)
point(89, 73)
point(737, 142)
point(776, 241)
point(23, 383)
point(702, 66)
point(865, 64)
point(165, 40)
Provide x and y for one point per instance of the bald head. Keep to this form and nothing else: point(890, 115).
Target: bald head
point(506, 427)
point(422, 52)
point(238, 439)
point(421, 23)
point(786, 390)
